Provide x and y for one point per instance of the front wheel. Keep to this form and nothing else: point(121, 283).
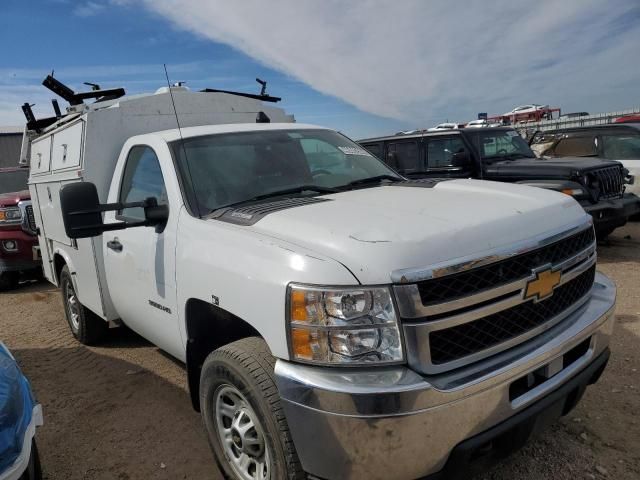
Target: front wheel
point(85, 325)
point(9, 280)
point(241, 410)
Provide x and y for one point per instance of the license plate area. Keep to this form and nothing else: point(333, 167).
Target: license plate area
point(525, 384)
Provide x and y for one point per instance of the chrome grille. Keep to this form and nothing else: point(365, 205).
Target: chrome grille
point(463, 340)
point(609, 182)
point(457, 319)
point(495, 274)
point(31, 219)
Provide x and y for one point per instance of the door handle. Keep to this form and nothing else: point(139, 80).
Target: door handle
point(114, 245)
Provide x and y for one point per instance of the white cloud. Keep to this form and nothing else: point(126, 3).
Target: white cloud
point(416, 60)
point(88, 9)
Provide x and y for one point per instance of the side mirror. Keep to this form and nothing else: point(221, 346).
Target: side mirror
point(82, 212)
point(460, 159)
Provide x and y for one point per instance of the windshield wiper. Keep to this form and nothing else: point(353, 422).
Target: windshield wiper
point(298, 189)
point(278, 193)
point(376, 179)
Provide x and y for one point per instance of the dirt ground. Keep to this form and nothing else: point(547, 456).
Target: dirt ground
point(121, 410)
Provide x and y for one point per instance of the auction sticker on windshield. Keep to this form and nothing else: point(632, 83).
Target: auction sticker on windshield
point(354, 151)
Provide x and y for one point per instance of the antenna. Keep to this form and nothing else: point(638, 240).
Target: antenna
point(184, 150)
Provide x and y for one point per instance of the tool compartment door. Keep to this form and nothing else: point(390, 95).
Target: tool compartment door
point(40, 156)
point(67, 148)
point(50, 211)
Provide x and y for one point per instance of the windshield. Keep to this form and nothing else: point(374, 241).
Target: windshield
point(224, 169)
point(501, 145)
point(14, 181)
point(621, 147)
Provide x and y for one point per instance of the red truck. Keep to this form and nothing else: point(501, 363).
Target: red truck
point(19, 252)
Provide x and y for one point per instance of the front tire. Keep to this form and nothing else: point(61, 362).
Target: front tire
point(85, 325)
point(9, 280)
point(241, 410)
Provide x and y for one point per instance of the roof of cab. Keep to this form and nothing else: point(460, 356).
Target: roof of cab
point(452, 131)
point(189, 132)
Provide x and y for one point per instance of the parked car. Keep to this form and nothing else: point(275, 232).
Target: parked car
point(634, 118)
point(500, 153)
point(20, 415)
point(618, 141)
point(566, 116)
point(19, 252)
point(480, 123)
point(331, 314)
point(525, 109)
point(446, 126)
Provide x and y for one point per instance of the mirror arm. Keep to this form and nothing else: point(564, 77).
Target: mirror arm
point(108, 207)
point(112, 226)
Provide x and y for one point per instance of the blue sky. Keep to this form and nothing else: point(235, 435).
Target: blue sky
point(364, 67)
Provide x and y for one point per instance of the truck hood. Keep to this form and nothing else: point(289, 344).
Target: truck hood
point(12, 199)
point(565, 167)
point(376, 231)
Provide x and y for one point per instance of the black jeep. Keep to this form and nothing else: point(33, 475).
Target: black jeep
point(501, 154)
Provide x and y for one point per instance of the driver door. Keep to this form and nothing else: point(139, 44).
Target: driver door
point(140, 261)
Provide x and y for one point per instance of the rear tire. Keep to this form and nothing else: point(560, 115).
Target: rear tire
point(9, 280)
point(240, 403)
point(85, 325)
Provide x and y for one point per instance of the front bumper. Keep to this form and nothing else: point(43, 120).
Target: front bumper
point(27, 458)
point(22, 259)
point(613, 213)
point(393, 423)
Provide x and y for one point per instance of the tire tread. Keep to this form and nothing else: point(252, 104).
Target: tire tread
point(253, 355)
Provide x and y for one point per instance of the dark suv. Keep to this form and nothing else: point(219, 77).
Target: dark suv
point(618, 141)
point(501, 154)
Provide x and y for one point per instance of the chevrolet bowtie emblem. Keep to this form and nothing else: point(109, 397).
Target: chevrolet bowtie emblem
point(543, 284)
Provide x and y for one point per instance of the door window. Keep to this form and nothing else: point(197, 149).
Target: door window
point(621, 147)
point(404, 156)
point(440, 151)
point(142, 178)
point(576, 147)
point(375, 149)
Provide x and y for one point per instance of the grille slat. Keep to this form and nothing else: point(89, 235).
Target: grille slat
point(463, 340)
point(31, 219)
point(610, 181)
point(491, 276)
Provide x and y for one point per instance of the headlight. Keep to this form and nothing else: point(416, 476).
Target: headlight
point(574, 192)
point(343, 325)
point(10, 215)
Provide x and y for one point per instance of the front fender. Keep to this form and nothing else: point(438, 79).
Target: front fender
point(246, 274)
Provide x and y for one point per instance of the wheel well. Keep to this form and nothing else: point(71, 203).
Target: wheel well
point(208, 328)
point(58, 265)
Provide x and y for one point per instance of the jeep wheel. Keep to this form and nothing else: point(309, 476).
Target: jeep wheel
point(9, 280)
point(85, 325)
point(602, 234)
point(241, 410)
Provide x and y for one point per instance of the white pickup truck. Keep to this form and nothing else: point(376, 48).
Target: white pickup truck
point(337, 321)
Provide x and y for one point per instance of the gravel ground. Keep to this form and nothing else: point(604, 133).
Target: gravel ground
point(121, 410)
